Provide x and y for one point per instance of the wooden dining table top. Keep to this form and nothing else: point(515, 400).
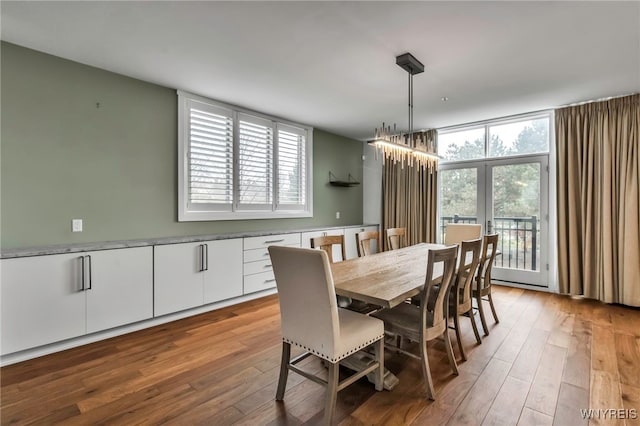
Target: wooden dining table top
point(385, 279)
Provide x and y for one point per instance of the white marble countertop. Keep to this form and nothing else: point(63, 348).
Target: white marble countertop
point(109, 245)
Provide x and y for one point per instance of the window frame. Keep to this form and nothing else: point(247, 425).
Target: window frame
point(187, 212)
point(487, 124)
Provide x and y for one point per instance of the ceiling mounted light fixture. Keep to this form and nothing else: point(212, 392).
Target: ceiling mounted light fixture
point(408, 147)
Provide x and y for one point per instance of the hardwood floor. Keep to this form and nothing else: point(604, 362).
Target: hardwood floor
point(549, 357)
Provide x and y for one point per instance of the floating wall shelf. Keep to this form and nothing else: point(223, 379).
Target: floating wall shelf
point(336, 182)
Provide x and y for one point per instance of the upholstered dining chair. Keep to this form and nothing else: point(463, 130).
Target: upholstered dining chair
point(482, 286)
point(327, 244)
point(364, 242)
point(455, 233)
point(396, 238)
point(319, 326)
point(460, 301)
point(427, 321)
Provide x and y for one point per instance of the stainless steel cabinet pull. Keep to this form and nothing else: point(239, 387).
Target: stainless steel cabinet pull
point(201, 247)
point(269, 281)
point(90, 272)
point(267, 266)
point(81, 272)
point(206, 257)
point(274, 241)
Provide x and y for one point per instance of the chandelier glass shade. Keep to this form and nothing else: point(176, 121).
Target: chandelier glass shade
point(409, 147)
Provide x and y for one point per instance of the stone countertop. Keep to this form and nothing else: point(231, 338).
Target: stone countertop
point(109, 245)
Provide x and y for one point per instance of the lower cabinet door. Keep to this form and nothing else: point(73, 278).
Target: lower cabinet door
point(41, 302)
point(178, 271)
point(121, 287)
point(223, 276)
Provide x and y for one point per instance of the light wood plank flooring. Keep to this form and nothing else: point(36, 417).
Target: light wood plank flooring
point(549, 357)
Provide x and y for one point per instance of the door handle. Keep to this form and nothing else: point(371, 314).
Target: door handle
point(90, 272)
point(489, 227)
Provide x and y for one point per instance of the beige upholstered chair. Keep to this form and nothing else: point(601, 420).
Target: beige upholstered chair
point(429, 320)
point(311, 319)
point(460, 301)
point(482, 286)
point(327, 242)
point(396, 238)
point(458, 232)
point(364, 242)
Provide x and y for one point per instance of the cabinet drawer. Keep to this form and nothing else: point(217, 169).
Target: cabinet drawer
point(269, 240)
point(257, 267)
point(256, 255)
point(257, 282)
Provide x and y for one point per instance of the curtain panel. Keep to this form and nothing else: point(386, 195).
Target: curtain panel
point(598, 165)
point(410, 200)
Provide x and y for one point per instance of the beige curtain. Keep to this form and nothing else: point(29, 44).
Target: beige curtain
point(409, 195)
point(599, 200)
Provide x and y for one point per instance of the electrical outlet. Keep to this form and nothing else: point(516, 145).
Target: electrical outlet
point(76, 225)
point(337, 215)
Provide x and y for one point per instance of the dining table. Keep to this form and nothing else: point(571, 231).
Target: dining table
point(385, 279)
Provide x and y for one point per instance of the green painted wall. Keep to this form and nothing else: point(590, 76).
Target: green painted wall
point(115, 165)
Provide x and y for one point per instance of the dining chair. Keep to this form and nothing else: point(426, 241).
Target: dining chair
point(364, 242)
point(320, 327)
point(483, 279)
point(429, 320)
point(460, 302)
point(396, 237)
point(455, 233)
point(327, 244)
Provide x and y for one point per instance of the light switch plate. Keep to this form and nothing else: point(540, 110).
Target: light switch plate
point(337, 215)
point(76, 225)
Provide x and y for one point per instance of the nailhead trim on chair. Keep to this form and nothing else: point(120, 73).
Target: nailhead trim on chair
point(330, 359)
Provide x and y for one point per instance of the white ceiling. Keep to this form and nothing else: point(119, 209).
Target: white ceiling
point(332, 64)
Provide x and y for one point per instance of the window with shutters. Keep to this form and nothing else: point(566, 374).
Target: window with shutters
point(239, 164)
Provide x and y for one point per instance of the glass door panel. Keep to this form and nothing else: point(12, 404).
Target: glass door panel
point(459, 197)
point(515, 208)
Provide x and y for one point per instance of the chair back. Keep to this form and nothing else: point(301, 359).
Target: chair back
point(489, 248)
point(364, 242)
point(308, 307)
point(461, 289)
point(457, 232)
point(396, 238)
point(432, 298)
point(327, 242)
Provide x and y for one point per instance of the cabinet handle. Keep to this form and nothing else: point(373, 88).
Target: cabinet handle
point(267, 266)
point(201, 247)
point(274, 241)
point(81, 272)
point(269, 281)
point(90, 272)
point(206, 257)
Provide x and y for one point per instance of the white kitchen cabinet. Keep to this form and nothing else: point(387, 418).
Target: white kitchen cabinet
point(121, 287)
point(350, 240)
point(337, 251)
point(223, 279)
point(47, 299)
point(192, 274)
point(42, 301)
point(258, 272)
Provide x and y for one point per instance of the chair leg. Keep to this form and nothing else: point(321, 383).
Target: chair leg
point(452, 358)
point(472, 317)
point(481, 311)
point(284, 370)
point(456, 324)
point(493, 309)
point(379, 354)
point(332, 393)
point(426, 372)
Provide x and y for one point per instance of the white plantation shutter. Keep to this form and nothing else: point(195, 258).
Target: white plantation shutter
point(292, 178)
point(239, 164)
point(255, 167)
point(210, 156)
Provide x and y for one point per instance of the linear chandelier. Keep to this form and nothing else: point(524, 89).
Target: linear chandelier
point(406, 148)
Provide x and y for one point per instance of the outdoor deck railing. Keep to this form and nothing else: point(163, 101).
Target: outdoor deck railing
point(518, 241)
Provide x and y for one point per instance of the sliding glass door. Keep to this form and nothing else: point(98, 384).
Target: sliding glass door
point(507, 194)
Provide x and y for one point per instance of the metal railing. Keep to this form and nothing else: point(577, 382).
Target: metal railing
point(518, 241)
